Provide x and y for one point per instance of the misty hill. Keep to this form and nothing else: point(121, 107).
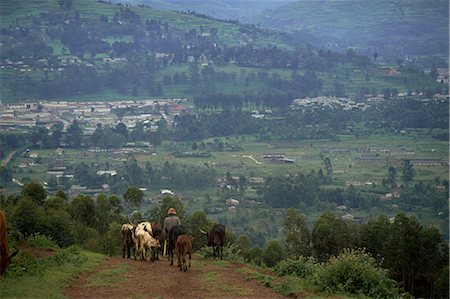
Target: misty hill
point(221, 9)
point(389, 27)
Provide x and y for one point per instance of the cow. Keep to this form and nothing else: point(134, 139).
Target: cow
point(217, 239)
point(184, 247)
point(147, 237)
point(157, 234)
point(129, 239)
point(174, 232)
point(5, 257)
point(146, 242)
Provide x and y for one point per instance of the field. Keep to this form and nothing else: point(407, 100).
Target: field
point(345, 153)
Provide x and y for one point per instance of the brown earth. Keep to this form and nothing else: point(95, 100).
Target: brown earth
point(128, 278)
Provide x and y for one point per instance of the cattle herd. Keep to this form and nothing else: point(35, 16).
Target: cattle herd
point(145, 239)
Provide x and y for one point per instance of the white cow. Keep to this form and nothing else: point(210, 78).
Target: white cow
point(144, 240)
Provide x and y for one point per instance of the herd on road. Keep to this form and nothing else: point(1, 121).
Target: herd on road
point(145, 238)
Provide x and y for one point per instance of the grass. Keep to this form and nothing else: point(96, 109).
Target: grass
point(306, 153)
point(49, 281)
point(108, 277)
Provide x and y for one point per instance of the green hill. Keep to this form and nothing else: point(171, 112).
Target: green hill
point(80, 49)
point(389, 27)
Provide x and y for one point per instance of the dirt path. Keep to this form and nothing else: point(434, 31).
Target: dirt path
point(127, 278)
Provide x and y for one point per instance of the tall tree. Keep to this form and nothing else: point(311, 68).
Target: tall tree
point(407, 171)
point(296, 232)
point(133, 196)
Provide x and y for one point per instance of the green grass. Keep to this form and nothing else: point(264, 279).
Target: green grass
point(108, 277)
point(306, 153)
point(49, 281)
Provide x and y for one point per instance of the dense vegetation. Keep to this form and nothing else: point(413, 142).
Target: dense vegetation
point(413, 256)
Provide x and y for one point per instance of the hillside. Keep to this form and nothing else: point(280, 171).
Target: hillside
point(80, 49)
point(221, 9)
point(389, 27)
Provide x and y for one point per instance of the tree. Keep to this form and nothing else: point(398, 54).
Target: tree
point(392, 175)
point(82, 209)
point(407, 171)
point(121, 128)
point(133, 196)
point(74, 133)
point(328, 166)
point(297, 234)
point(273, 253)
point(330, 235)
point(28, 217)
point(195, 221)
point(35, 192)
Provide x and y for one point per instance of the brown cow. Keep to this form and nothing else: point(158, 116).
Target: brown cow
point(5, 257)
point(184, 247)
point(129, 239)
point(217, 239)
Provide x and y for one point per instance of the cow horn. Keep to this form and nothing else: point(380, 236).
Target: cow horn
point(202, 231)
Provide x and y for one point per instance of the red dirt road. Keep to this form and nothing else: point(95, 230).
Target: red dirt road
point(127, 278)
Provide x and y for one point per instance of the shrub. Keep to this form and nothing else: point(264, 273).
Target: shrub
point(23, 263)
point(355, 272)
point(302, 267)
point(71, 255)
point(42, 241)
point(231, 252)
point(111, 243)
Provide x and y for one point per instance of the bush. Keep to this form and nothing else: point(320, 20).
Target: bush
point(111, 243)
point(355, 272)
point(302, 267)
point(21, 264)
point(71, 255)
point(231, 252)
point(42, 241)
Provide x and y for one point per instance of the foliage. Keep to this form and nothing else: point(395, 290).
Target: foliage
point(301, 267)
point(330, 235)
point(297, 234)
point(273, 254)
point(355, 272)
point(133, 196)
point(111, 242)
point(196, 221)
point(46, 277)
point(42, 241)
point(35, 191)
point(231, 252)
point(23, 263)
point(27, 217)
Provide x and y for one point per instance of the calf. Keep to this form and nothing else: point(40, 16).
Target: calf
point(217, 239)
point(174, 232)
point(184, 247)
point(5, 257)
point(129, 239)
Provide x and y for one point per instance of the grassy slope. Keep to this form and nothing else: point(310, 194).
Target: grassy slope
point(368, 20)
point(229, 33)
